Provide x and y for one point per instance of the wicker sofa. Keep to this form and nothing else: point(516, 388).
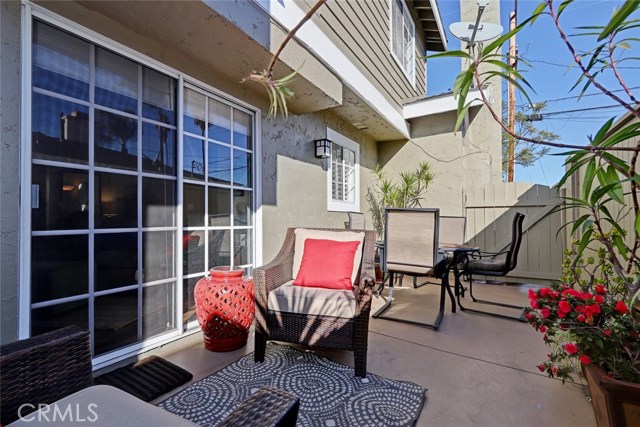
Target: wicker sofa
point(328, 331)
point(55, 368)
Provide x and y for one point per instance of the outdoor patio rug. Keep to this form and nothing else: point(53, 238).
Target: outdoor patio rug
point(329, 393)
point(146, 379)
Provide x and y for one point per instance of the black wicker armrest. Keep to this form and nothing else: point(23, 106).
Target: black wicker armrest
point(265, 408)
point(43, 369)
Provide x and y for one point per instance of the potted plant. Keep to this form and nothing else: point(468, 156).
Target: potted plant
point(590, 320)
point(406, 192)
point(591, 317)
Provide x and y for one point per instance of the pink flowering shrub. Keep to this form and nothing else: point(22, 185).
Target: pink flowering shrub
point(587, 324)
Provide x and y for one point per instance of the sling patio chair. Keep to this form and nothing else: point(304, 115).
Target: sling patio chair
point(356, 221)
point(494, 264)
point(411, 248)
point(298, 299)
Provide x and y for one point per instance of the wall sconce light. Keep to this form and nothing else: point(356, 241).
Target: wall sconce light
point(323, 148)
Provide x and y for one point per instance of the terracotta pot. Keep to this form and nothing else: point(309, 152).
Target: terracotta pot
point(615, 403)
point(225, 305)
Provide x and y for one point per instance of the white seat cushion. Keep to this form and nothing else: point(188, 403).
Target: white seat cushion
point(303, 234)
point(315, 301)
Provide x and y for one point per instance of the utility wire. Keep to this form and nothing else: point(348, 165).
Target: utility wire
point(578, 96)
point(602, 107)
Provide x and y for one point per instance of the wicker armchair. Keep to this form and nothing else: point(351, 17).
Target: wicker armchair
point(43, 369)
point(314, 330)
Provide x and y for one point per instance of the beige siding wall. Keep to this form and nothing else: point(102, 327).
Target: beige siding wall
point(361, 30)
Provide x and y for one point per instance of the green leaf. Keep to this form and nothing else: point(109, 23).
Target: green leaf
point(539, 9)
point(577, 223)
point(619, 16)
point(500, 40)
point(602, 132)
point(562, 6)
point(611, 159)
point(461, 115)
point(586, 238)
point(450, 54)
point(616, 191)
point(637, 224)
point(618, 241)
point(589, 175)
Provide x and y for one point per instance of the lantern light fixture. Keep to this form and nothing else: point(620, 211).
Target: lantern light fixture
point(323, 148)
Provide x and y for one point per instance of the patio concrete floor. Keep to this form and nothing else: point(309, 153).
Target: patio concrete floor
point(479, 370)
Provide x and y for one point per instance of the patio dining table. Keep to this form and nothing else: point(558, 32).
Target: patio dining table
point(455, 253)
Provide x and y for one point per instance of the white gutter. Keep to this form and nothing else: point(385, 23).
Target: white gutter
point(288, 14)
point(442, 104)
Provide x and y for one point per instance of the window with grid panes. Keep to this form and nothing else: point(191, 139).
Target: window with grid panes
point(343, 174)
point(403, 38)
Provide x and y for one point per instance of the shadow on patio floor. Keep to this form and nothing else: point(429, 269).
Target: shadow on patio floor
point(480, 370)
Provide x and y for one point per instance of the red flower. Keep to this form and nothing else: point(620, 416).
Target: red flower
point(554, 371)
point(601, 289)
point(586, 296)
point(534, 303)
point(554, 294)
point(564, 306)
point(571, 348)
point(607, 332)
point(581, 318)
point(621, 307)
point(541, 367)
point(544, 292)
point(532, 294)
point(598, 299)
point(528, 316)
point(543, 329)
point(545, 312)
point(590, 310)
point(584, 359)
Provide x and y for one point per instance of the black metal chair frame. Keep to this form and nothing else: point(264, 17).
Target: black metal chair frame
point(511, 258)
point(441, 272)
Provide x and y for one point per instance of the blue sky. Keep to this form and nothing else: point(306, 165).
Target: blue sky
point(549, 75)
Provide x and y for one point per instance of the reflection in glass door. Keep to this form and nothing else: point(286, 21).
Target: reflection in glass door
point(104, 180)
point(217, 168)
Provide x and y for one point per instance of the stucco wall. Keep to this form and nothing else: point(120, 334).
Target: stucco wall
point(434, 142)
point(9, 164)
point(295, 182)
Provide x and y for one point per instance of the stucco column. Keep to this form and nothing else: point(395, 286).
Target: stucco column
point(9, 165)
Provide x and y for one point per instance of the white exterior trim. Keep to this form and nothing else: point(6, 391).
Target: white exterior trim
point(441, 30)
point(333, 205)
point(24, 264)
point(288, 14)
point(410, 78)
point(441, 104)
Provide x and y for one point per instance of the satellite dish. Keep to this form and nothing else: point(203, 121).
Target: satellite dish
point(470, 32)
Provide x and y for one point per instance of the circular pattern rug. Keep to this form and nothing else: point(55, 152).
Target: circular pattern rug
point(330, 395)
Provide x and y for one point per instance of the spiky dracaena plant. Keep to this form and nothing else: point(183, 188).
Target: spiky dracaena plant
point(407, 192)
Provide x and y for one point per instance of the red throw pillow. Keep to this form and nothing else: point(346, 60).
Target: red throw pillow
point(326, 264)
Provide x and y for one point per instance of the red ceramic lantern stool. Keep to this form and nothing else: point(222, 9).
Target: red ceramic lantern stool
point(225, 304)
